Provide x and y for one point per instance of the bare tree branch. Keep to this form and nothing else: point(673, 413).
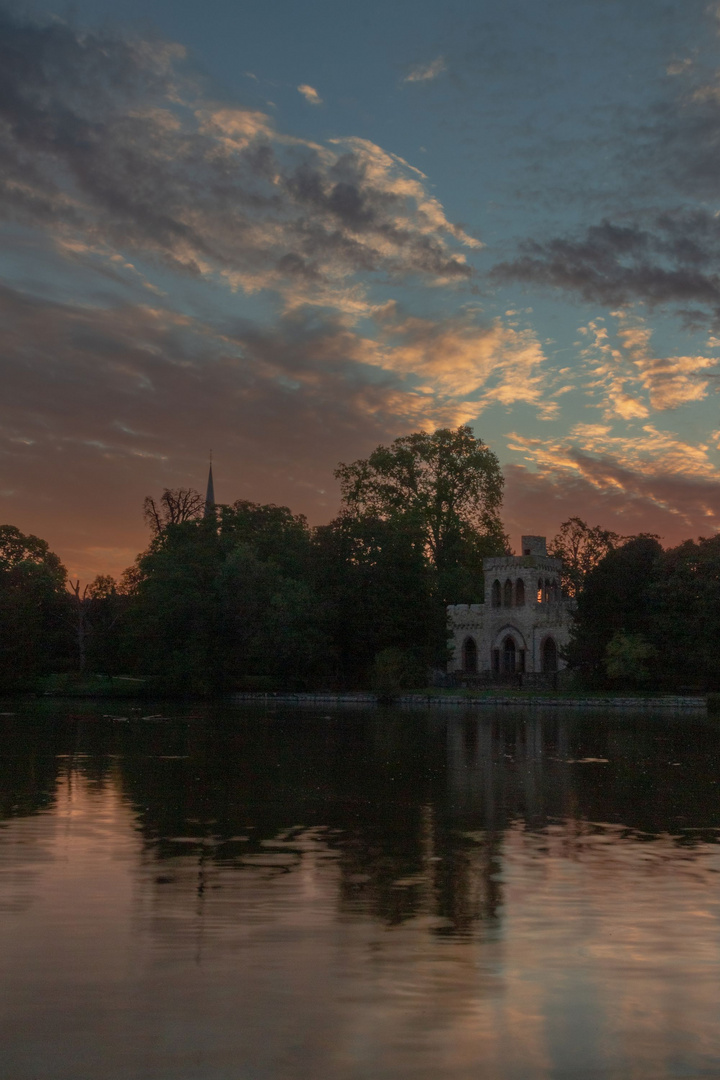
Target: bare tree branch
point(174, 506)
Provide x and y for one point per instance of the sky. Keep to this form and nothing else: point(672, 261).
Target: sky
point(291, 231)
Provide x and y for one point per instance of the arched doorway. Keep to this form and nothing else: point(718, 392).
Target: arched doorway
point(469, 655)
point(508, 654)
point(549, 655)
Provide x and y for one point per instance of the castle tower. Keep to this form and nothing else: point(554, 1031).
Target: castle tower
point(523, 627)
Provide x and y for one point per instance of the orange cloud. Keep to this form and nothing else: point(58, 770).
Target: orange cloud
point(118, 402)
point(310, 94)
point(631, 381)
point(653, 475)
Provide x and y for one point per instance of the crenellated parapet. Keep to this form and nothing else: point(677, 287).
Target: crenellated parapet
point(498, 563)
point(465, 617)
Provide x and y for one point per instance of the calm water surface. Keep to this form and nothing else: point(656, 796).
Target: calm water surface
point(228, 894)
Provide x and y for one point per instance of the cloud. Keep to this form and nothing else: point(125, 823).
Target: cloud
point(310, 94)
point(541, 500)
point(117, 400)
point(679, 67)
point(653, 473)
point(667, 155)
point(476, 364)
point(673, 258)
point(112, 142)
point(650, 453)
point(677, 141)
point(410, 371)
point(426, 72)
point(628, 381)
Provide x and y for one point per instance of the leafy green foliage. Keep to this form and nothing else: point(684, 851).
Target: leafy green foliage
point(18, 550)
point(172, 621)
point(686, 603)
point(376, 591)
point(617, 596)
point(393, 671)
point(272, 532)
point(218, 603)
point(448, 485)
point(106, 606)
point(33, 608)
point(648, 616)
point(626, 659)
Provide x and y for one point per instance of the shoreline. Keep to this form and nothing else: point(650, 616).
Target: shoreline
point(674, 702)
point(670, 702)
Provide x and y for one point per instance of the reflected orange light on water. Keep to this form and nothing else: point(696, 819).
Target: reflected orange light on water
point(602, 952)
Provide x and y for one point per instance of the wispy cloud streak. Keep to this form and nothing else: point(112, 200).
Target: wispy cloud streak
point(426, 72)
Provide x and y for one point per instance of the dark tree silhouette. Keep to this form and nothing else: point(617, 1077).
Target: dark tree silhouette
point(581, 547)
point(448, 484)
point(174, 506)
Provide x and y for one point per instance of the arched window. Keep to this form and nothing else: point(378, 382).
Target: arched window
point(496, 594)
point(508, 654)
point(519, 593)
point(469, 655)
point(539, 591)
point(546, 595)
point(549, 655)
point(507, 593)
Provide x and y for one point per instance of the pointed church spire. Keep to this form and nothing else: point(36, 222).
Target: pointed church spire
point(210, 493)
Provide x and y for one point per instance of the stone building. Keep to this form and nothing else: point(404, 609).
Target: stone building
point(524, 624)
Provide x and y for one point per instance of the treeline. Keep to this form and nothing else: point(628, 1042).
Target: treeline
point(650, 618)
point(248, 596)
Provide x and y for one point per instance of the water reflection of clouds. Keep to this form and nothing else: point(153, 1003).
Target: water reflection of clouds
point(605, 954)
point(515, 915)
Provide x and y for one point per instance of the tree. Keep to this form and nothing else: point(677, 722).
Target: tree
point(33, 608)
point(393, 671)
point(626, 659)
point(273, 533)
point(174, 506)
point(581, 548)
point(172, 620)
point(686, 624)
point(448, 483)
point(97, 610)
point(618, 596)
point(269, 626)
point(80, 603)
point(16, 549)
point(375, 591)
point(225, 602)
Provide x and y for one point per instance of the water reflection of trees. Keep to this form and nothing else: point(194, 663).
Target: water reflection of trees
point(403, 815)
point(29, 767)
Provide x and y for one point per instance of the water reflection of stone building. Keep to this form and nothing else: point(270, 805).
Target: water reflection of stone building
point(524, 624)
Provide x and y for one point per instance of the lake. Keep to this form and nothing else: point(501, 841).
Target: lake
point(191, 892)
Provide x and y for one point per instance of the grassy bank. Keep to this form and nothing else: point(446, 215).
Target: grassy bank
point(102, 686)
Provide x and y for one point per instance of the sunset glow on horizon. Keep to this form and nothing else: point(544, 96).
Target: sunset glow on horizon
point(295, 231)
